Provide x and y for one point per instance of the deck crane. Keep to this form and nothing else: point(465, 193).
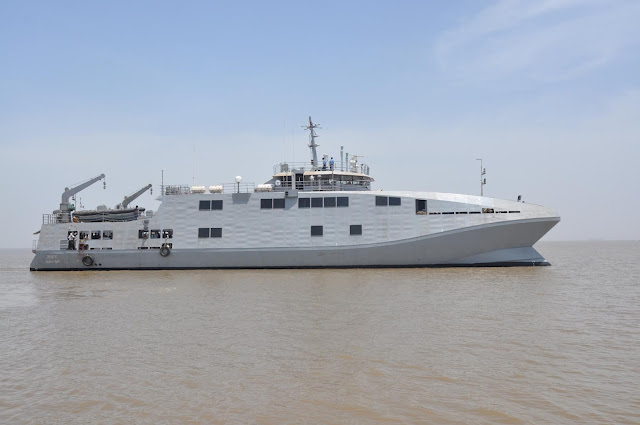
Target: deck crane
point(128, 199)
point(69, 192)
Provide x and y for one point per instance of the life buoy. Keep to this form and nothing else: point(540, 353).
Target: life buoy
point(87, 260)
point(165, 251)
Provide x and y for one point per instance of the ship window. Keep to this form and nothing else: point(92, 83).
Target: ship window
point(216, 232)
point(316, 230)
point(514, 212)
point(316, 202)
point(203, 232)
point(95, 234)
point(278, 203)
point(394, 201)
point(155, 234)
point(107, 234)
point(167, 233)
point(216, 205)
point(421, 206)
point(330, 202)
point(382, 201)
point(355, 229)
point(343, 201)
point(487, 210)
point(474, 212)
point(304, 203)
point(143, 234)
point(205, 205)
point(84, 235)
point(266, 204)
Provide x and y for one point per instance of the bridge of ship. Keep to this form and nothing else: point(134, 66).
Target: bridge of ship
point(302, 176)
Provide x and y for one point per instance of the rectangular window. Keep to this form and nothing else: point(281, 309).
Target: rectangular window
point(205, 205)
point(304, 203)
point(84, 235)
point(394, 201)
point(95, 234)
point(203, 232)
point(278, 203)
point(167, 234)
point(382, 201)
point(355, 229)
point(107, 234)
point(143, 234)
point(155, 234)
point(216, 205)
point(487, 211)
point(216, 232)
point(266, 204)
point(343, 201)
point(421, 206)
point(316, 202)
point(330, 202)
point(316, 230)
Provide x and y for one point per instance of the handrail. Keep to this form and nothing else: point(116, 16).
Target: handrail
point(285, 167)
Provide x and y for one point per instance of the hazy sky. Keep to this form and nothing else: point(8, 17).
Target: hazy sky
point(547, 92)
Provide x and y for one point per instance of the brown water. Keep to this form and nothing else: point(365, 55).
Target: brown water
point(553, 345)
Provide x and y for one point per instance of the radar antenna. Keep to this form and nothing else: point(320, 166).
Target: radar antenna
point(312, 141)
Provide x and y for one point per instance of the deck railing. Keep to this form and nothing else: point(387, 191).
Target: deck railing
point(285, 167)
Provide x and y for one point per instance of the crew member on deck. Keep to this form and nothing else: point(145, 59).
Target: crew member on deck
point(324, 164)
point(72, 241)
point(331, 162)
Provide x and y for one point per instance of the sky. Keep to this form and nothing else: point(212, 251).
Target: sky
point(546, 92)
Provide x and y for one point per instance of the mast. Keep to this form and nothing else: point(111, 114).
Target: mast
point(312, 141)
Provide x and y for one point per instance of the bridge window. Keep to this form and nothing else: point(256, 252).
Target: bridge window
point(355, 229)
point(304, 203)
point(316, 230)
point(343, 201)
point(316, 202)
point(382, 201)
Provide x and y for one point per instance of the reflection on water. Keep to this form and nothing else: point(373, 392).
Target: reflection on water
point(493, 345)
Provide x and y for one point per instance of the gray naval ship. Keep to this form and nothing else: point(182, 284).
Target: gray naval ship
point(321, 213)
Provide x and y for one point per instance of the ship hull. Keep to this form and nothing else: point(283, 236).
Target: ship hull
point(494, 244)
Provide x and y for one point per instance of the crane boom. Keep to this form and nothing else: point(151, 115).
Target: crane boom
point(69, 192)
point(128, 199)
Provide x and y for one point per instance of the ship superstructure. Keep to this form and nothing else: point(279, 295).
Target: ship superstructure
point(322, 213)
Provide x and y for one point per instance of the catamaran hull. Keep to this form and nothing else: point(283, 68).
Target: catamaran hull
point(496, 244)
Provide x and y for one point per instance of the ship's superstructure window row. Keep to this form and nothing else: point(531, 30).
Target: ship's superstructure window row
point(326, 202)
point(210, 205)
point(209, 232)
point(383, 201)
point(155, 234)
point(267, 204)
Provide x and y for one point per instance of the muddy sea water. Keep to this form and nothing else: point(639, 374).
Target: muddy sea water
point(521, 345)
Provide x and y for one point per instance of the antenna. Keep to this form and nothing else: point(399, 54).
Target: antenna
point(312, 141)
point(483, 181)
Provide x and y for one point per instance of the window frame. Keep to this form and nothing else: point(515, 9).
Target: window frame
point(382, 201)
point(357, 228)
point(202, 231)
point(317, 234)
point(203, 203)
point(266, 203)
point(342, 198)
point(216, 205)
point(317, 200)
point(332, 200)
point(216, 232)
point(395, 199)
point(307, 202)
point(278, 203)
